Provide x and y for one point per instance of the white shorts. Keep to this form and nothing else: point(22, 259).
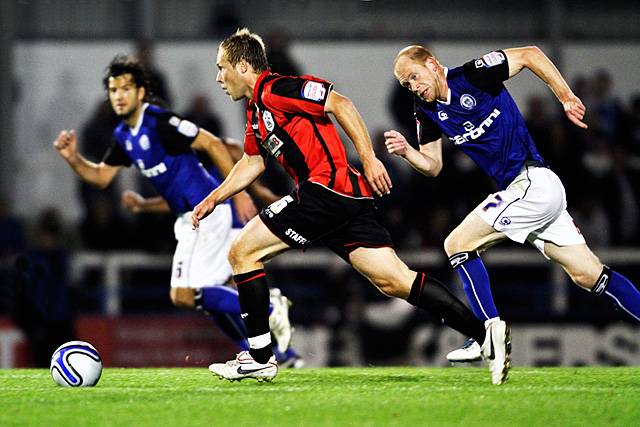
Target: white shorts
point(201, 255)
point(532, 208)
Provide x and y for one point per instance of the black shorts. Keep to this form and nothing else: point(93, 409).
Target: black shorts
point(314, 214)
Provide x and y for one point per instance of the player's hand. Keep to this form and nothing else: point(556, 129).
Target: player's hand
point(377, 176)
point(245, 208)
point(574, 109)
point(66, 144)
point(396, 143)
point(132, 201)
point(202, 210)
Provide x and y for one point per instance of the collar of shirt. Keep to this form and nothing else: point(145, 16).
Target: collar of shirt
point(448, 101)
point(261, 77)
point(136, 128)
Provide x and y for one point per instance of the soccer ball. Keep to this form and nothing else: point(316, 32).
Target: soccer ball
point(76, 364)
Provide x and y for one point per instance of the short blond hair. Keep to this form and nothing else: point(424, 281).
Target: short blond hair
point(243, 44)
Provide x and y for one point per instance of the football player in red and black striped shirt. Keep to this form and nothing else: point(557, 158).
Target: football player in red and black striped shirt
point(287, 117)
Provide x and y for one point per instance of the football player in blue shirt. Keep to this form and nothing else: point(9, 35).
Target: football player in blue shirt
point(471, 106)
point(136, 203)
point(161, 146)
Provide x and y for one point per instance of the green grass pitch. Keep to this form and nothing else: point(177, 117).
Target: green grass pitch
point(402, 396)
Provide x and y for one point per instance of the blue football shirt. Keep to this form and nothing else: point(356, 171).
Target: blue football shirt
point(481, 118)
point(159, 146)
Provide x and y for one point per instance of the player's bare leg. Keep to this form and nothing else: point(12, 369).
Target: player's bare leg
point(586, 271)
point(391, 276)
point(254, 246)
point(183, 297)
point(472, 234)
point(582, 265)
point(383, 268)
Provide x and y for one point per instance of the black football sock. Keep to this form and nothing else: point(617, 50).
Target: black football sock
point(253, 292)
point(431, 295)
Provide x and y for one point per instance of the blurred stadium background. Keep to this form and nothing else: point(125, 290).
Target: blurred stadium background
point(73, 263)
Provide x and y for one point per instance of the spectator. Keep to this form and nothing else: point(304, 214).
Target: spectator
point(158, 83)
point(279, 56)
point(200, 113)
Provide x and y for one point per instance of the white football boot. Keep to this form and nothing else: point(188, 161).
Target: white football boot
point(496, 348)
point(279, 319)
point(244, 366)
point(469, 352)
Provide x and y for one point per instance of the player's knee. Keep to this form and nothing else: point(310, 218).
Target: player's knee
point(236, 253)
point(585, 278)
point(182, 300)
point(390, 287)
point(451, 244)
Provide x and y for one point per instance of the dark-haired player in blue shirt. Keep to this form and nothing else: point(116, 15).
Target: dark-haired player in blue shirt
point(160, 144)
point(471, 106)
point(136, 203)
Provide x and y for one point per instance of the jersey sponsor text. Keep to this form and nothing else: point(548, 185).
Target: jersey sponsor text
point(476, 133)
point(296, 237)
point(154, 171)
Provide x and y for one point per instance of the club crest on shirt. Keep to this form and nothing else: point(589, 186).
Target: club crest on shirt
point(269, 123)
point(314, 91)
point(144, 142)
point(467, 101)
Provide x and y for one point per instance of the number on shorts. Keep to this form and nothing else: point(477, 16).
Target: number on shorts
point(498, 202)
point(277, 206)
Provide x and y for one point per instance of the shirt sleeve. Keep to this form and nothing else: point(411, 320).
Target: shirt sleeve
point(298, 95)
point(489, 71)
point(116, 156)
point(428, 130)
point(176, 133)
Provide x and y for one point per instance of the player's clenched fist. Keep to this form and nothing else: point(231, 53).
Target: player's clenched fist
point(395, 142)
point(65, 143)
point(202, 210)
point(377, 176)
point(132, 201)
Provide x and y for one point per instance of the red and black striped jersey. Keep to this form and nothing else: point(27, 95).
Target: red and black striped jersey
point(286, 119)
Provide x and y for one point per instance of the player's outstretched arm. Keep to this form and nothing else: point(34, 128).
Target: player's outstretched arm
point(220, 155)
point(427, 161)
point(533, 58)
point(135, 203)
point(257, 190)
point(351, 121)
point(245, 171)
point(98, 174)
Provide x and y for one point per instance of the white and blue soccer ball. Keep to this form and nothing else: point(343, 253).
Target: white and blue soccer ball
point(76, 364)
